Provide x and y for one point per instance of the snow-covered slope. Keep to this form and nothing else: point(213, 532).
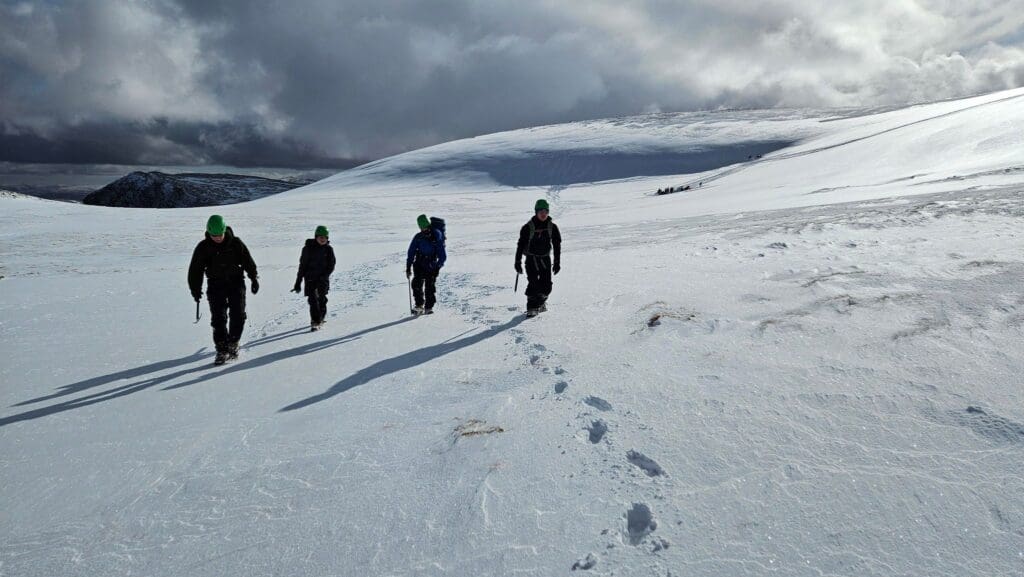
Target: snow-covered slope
point(809, 365)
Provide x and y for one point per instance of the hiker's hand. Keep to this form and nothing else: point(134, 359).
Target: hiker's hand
point(255, 286)
point(408, 273)
point(519, 268)
point(556, 268)
point(197, 295)
point(297, 287)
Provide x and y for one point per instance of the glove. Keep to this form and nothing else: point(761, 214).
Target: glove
point(556, 268)
point(197, 295)
point(408, 272)
point(297, 287)
point(255, 286)
point(519, 268)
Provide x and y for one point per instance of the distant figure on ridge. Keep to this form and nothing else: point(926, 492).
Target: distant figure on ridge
point(223, 258)
point(536, 240)
point(426, 257)
point(315, 267)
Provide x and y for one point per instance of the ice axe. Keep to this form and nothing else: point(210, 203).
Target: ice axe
point(516, 288)
point(198, 315)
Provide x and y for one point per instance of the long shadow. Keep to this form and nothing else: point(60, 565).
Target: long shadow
point(281, 355)
point(150, 368)
point(135, 386)
point(118, 376)
point(99, 397)
point(400, 363)
point(275, 337)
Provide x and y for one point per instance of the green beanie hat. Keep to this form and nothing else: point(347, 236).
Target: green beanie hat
point(321, 231)
point(215, 225)
point(423, 221)
point(541, 205)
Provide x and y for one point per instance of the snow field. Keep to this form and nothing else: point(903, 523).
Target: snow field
point(809, 366)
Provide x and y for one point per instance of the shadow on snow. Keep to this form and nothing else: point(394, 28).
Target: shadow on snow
point(288, 353)
point(140, 382)
point(402, 362)
point(375, 371)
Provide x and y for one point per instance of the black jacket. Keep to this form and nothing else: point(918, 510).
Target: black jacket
point(316, 263)
point(538, 238)
point(223, 263)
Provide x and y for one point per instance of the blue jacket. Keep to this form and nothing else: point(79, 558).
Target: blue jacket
point(426, 251)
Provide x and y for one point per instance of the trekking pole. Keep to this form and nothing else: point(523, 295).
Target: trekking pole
point(409, 281)
point(198, 316)
point(516, 288)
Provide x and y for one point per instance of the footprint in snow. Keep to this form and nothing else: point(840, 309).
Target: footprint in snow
point(597, 430)
point(990, 425)
point(560, 387)
point(598, 403)
point(649, 466)
point(640, 523)
point(586, 563)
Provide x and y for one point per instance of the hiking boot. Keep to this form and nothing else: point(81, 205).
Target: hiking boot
point(428, 311)
point(543, 308)
point(232, 350)
point(314, 327)
point(417, 310)
point(532, 312)
point(221, 358)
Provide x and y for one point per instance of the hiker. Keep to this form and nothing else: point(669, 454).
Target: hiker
point(223, 258)
point(536, 239)
point(424, 261)
point(315, 267)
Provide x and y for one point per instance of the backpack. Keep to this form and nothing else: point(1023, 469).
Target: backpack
point(438, 224)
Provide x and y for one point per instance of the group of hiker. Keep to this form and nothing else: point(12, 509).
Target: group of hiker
point(225, 261)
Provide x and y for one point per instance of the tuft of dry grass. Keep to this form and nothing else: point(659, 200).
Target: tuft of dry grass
point(476, 427)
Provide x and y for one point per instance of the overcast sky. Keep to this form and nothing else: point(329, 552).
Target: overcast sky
point(319, 82)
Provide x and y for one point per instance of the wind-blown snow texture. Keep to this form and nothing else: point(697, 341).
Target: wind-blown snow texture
point(808, 365)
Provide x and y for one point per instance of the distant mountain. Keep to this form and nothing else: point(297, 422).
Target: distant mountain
point(13, 194)
point(160, 190)
point(63, 193)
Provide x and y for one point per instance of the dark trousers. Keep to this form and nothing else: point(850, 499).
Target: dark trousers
point(424, 287)
point(225, 300)
point(538, 273)
point(316, 294)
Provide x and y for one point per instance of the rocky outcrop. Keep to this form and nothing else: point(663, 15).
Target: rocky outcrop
point(160, 190)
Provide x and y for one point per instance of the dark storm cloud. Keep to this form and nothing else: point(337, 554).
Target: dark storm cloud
point(162, 142)
point(265, 82)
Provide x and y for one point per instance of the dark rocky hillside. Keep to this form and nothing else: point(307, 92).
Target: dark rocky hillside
point(160, 190)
